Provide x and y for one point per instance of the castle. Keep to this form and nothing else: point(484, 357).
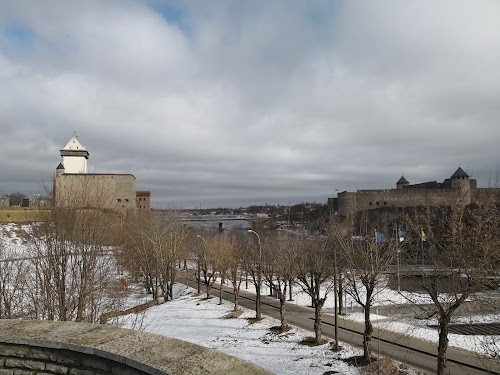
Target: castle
point(75, 187)
point(458, 187)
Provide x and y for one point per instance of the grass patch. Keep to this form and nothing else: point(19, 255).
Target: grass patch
point(278, 330)
point(358, 361)
point(233, 314)
point(253, 320)
point(23, 214)
point(311, 341)
point(332, 347)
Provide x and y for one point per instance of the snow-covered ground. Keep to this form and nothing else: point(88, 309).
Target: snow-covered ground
point(193, 318)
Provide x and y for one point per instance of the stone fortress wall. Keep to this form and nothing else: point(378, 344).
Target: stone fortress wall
point(458, 188)
point(69, 348)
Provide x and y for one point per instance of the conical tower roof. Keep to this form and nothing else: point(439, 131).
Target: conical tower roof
point(73, 144)
point(460, 173)
point(402, 180)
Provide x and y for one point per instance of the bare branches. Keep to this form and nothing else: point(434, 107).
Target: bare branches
point(462, 254)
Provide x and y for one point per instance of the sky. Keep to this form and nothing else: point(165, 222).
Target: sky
point(231, 103)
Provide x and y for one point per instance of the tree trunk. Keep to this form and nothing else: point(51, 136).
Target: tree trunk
point(236, 298)
point(317, 323)
point(442, 361)
point(258, 313)
point(340, 295)
point(367, 336)
point(209, 290)
point(282, 298)
point(220, 291)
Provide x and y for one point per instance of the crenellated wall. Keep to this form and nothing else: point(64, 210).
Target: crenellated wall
point(69, 348)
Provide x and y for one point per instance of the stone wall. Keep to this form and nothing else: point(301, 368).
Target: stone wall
point(113, 191)
point(27, 359)
point(68, 348)
point(349, 202)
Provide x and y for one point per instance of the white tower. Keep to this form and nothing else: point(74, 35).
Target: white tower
point(74, 157)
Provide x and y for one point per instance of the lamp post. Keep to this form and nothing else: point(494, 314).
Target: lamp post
point(335, 289)
point(199, 270)
point(258, 315)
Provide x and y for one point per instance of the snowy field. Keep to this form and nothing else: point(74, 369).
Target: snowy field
point(192, 318)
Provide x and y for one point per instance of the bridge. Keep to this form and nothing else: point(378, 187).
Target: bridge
point(47, 347)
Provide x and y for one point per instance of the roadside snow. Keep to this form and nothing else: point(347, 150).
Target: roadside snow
point(192, 318)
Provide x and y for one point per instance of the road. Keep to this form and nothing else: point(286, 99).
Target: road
point(414, 352)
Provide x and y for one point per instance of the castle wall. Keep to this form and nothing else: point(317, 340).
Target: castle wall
point(346, 203)
point(484, 195)
point(372, 199)
point(115, 192)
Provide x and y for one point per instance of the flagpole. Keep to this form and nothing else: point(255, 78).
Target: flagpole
point(397, 256)
point(422, 244)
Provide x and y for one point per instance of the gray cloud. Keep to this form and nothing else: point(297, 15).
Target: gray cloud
point(230, 103)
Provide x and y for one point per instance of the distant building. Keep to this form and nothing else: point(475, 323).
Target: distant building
point(458, 186)
point(4, 201)
point(143, 200)
point(75, 187)
point(36, 201)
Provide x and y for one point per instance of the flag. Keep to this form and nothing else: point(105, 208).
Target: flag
point(423, 236)
point(402, 235)
point(379, 237)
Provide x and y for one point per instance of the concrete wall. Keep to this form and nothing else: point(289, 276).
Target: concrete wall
point(68, 348)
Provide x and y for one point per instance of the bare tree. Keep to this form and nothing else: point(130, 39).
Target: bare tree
point(314, 272)
point(14, 272)
point(235, 265)
point(253, 263)
point(16, 199)
point(210, 260)
point(156, 243)
point(458, 253)
point(73, 264)
point(281, 254)
point(366, 253)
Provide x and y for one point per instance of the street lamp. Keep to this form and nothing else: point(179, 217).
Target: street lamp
point(335, 299)
point(199, 270)
point(259, 279)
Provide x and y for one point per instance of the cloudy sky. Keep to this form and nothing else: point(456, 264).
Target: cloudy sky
point(232, 103)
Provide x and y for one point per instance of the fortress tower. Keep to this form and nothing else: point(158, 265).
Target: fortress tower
point(402, 182)
point(74, 157)
point(460, 179)
point(75, 187)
